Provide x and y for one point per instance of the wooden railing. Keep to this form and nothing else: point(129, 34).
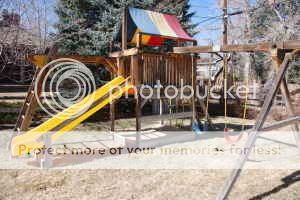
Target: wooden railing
point(169, 69)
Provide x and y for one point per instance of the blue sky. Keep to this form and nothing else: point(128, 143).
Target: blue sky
point(210, 30)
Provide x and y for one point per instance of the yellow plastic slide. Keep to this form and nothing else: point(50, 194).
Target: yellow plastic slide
point(69, 118)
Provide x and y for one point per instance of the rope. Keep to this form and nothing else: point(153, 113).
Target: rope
point(225, 94)
point(245, 106)
point(233, 77)
point(207, 99)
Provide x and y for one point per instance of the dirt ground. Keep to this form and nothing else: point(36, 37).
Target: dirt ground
point(148, 183)
point(145, 184)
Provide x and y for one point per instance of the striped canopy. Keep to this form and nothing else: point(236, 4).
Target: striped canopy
point(156, 27)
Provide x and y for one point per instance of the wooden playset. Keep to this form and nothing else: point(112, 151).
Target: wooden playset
point(136, 64)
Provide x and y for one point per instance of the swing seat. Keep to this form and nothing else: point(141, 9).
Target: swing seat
point(196, 128)
point(229, 139)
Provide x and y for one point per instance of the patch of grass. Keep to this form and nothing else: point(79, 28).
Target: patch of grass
point(11, 105)
point(8, 118)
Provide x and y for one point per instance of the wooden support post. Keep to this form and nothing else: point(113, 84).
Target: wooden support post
point(124, 28)
point(136, 73)
point(194, 84)
point(121, 66)
point(112, 111)
point(161, 111)
point(112, 115)
point(138, 115)
point(121, 61)
point(256, 128)
point(277, 58)
point(194, 116)
point(139, 40)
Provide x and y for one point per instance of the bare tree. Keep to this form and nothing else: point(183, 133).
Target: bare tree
point(24, 29)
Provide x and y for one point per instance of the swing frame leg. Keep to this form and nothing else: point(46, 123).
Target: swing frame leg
point(257, 127)
point(277, 58)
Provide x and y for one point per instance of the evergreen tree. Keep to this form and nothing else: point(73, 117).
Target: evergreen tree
point(86, 27)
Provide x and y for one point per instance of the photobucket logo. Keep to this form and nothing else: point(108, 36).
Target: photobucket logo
point(58, 75)
point(187, 91)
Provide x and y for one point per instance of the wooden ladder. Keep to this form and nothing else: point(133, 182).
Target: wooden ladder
point(28, 108)
point(30, 104)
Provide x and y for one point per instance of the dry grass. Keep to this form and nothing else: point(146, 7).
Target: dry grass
point(143, 184)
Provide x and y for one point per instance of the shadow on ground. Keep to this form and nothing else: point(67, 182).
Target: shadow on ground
point(286, 182)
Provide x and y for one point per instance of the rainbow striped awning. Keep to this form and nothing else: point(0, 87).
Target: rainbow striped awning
point(156, 27)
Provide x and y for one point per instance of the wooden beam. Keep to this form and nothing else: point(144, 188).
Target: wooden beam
point(289, 44)
point(111, 65)
point(281, 124)
point(194, 74)
point(127, 52)
point(108, 63)
point(38, 60)
point(264, 46)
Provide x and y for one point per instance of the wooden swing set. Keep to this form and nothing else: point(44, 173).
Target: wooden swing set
point(282, 53)
point(146, 67)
